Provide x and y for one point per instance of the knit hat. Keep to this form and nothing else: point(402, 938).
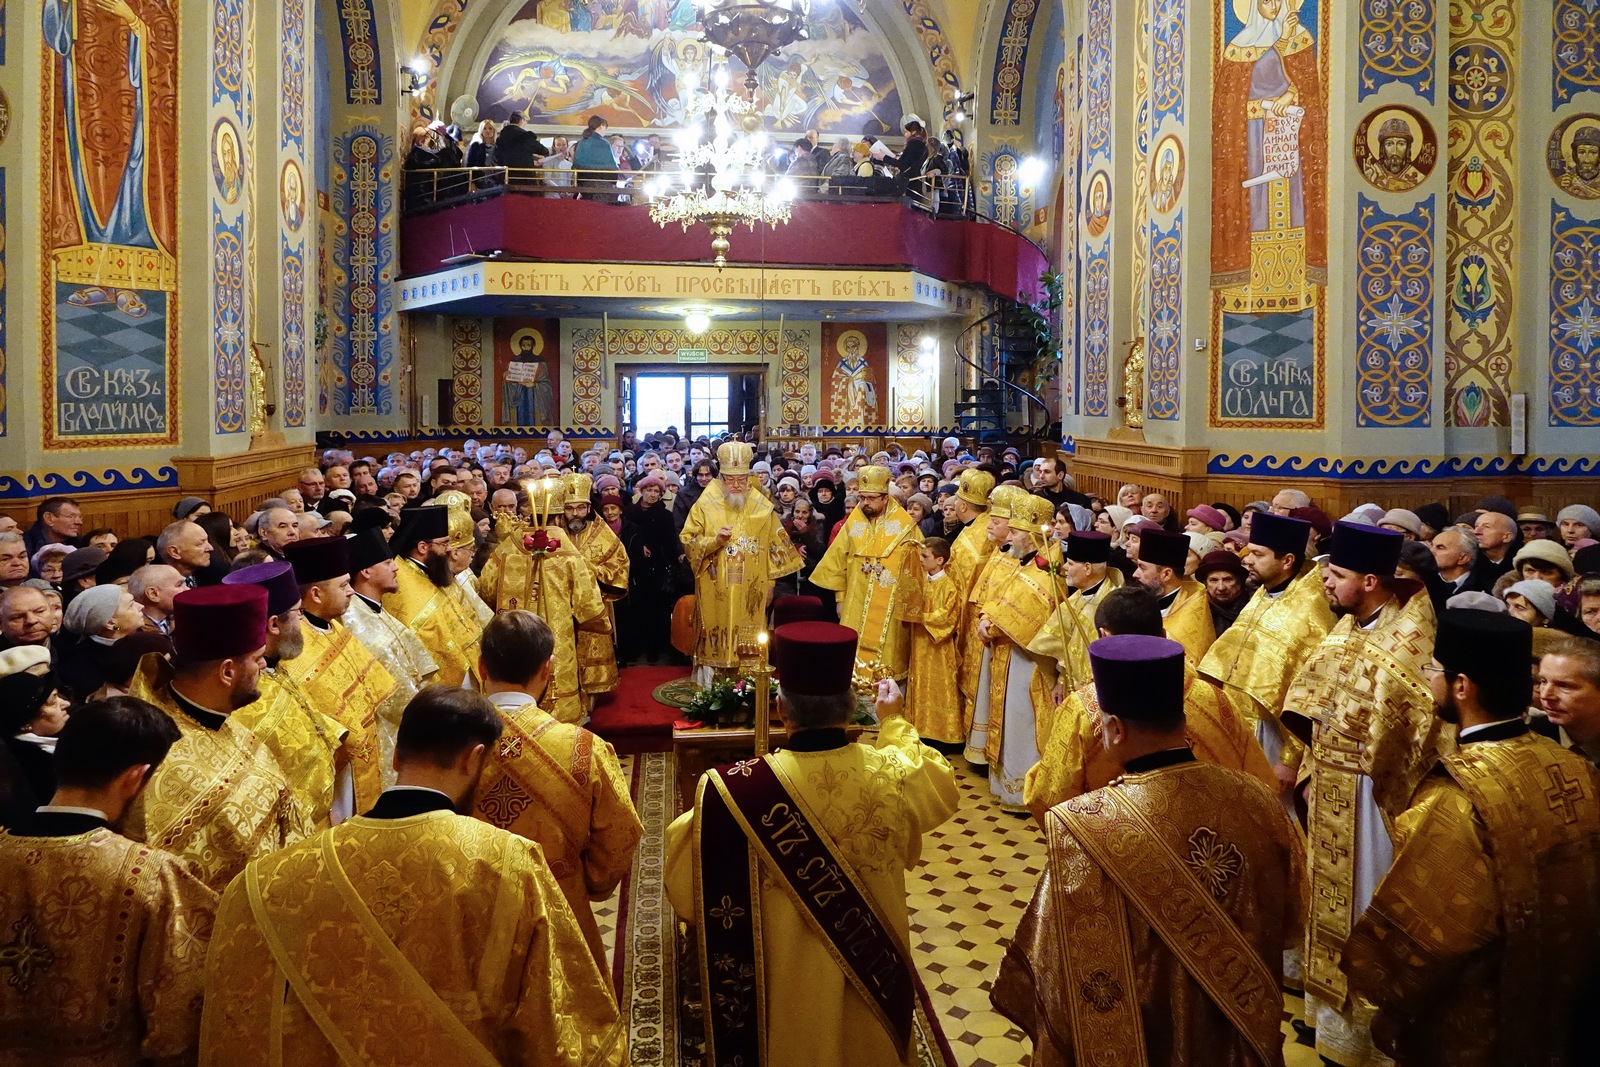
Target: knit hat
point(217, 622)
point(1220, 560)
point(1545, 551)
point(1434, 516)
point(22, 694)
point(1406, 520)
point(92, 609)
point(1542, 595)
point(611, 498)
point(1500, 504)
point(1474, 600)
point(1315, 516)
point(1208, 515)
point(185, 507)
point(1581, 513)
point(81, 563)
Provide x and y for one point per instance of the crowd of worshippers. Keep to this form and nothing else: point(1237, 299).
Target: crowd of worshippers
point(353, 710)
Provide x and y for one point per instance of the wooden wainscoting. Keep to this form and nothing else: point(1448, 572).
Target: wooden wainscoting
point(1100, 468)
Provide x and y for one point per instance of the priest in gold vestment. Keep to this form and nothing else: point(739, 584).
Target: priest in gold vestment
point(76, 896)
point(463, 587)
point(1256, 658)
point(1157, 931)
point(873, 563)
point(336, 670)
point(1478, 946)
point(810, 1006)
point(608, 561)
point(1362, 704)
point(422, 599)
point(219, 799)
point(969, 552)
point(409, 934)
point(553, 782)
point(933, 689)
point(976, 654)
point(1075, 759)
point(306, 743)
point(374, 573)
point(1185, 611)
point(1017, 699)
point(737, 548)
point(539, 570)
point(1085, 577)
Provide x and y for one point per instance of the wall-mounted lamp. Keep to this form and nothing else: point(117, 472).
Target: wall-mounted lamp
point(959, 115)
point(1031, 171)
point(414, 76)
point(928, 357)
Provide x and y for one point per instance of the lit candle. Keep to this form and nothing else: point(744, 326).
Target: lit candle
point(761, 640)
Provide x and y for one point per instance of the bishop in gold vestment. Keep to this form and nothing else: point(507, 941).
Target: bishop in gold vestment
point(219, 799)
point(1256, 658)
point(906, 789)
point(560, 785)
point(1480, 943)
point(1157, 930)
point(737, 548)
point(608, 562)
point(539, 571)
point(422, 600)
point(873, 563)
point(1373, 736)
point(407, 935)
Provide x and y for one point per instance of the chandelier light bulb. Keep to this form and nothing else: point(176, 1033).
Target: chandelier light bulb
point(696, 323)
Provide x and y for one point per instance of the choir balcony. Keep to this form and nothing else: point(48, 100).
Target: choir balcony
point(458, 224)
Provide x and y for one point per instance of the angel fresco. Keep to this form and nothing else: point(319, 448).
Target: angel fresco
point(564, 60)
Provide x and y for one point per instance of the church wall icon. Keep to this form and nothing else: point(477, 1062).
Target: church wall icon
point(1572, 156)
point(1395, 149)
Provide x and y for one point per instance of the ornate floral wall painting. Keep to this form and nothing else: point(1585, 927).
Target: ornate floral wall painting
point(109, 200)
point(560, 61)
point(527, 373)
point(855, 361)
point(1269, 212)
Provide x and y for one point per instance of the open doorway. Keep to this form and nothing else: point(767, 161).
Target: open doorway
point(696, 404)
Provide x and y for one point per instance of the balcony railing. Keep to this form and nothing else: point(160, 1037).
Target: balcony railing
point(941, 195)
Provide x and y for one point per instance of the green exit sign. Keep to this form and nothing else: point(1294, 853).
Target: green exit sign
point(694, 355)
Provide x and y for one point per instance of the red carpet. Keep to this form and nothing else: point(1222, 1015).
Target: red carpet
point(631, 719)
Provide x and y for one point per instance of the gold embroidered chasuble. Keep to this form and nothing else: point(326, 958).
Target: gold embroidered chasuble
point(875, 803)
point(1157, 930)
point(219, 799)
point(435, 616)
point(873, 562)
point(432, 939)
point(106, 956)
point(340, 677)
point(1075, 760)
point(996, 567)
point(1478, 943)
point(1188, 621)
point(608, 560)
point(305, 742)
point(1066, 637)
point(559, 587)
point(733, 581)
point(1256, 658)
point(463, 589)
point(970, 553)
point(933, 695)
point(1372, 718)
point(402, 655)
point(1018, 602)
point(560, 785)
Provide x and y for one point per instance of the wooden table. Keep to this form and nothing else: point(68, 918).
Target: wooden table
point(698, 751)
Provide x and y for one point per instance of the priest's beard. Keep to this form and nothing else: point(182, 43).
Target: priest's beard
point(735, 501)
point(1449, 711)
point(290, 645)
point(577, 526)
point(437, 568)
point(467, 803)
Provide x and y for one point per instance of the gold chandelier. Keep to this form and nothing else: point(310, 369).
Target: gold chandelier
point(722, 154)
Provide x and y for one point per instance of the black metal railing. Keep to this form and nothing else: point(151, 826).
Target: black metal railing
point(981, 379)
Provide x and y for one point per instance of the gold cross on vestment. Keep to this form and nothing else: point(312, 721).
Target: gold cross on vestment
point(1563, 794)
point(1335, 896)
point(1335, 801)
point(25, 954)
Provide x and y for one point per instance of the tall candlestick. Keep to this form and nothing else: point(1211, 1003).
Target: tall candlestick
point(763, 683)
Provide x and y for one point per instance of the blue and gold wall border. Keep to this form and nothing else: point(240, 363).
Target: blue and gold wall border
point(1249, 464)
point(358, 32)
point(1011, 63)
point(1574, 49)
point(230, 194)
point(100, 480)
point(1397, 45)
point(1097, 332)
point(1169, 21)
point(1165, 345)
point(363, 265)
point(295, 207)
point(1574, 320)
point(5, 309)
point(1394, 315)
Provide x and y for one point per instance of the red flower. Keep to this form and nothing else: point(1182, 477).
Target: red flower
point(1041, 562)
point(540, 542)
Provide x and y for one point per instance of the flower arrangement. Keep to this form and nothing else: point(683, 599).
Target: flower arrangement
point(726, 702)
point(540, 542)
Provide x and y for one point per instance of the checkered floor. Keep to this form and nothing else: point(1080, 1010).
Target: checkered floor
point(977, 876)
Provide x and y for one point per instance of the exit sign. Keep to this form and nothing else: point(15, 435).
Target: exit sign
point(694, 355)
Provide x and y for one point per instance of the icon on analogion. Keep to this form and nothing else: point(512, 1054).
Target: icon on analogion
point(1573, 156)
point(1166, 174)
point(1396, 149)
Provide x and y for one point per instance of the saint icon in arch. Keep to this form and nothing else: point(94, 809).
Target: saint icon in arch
point(853, 399)
point(527, 397)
